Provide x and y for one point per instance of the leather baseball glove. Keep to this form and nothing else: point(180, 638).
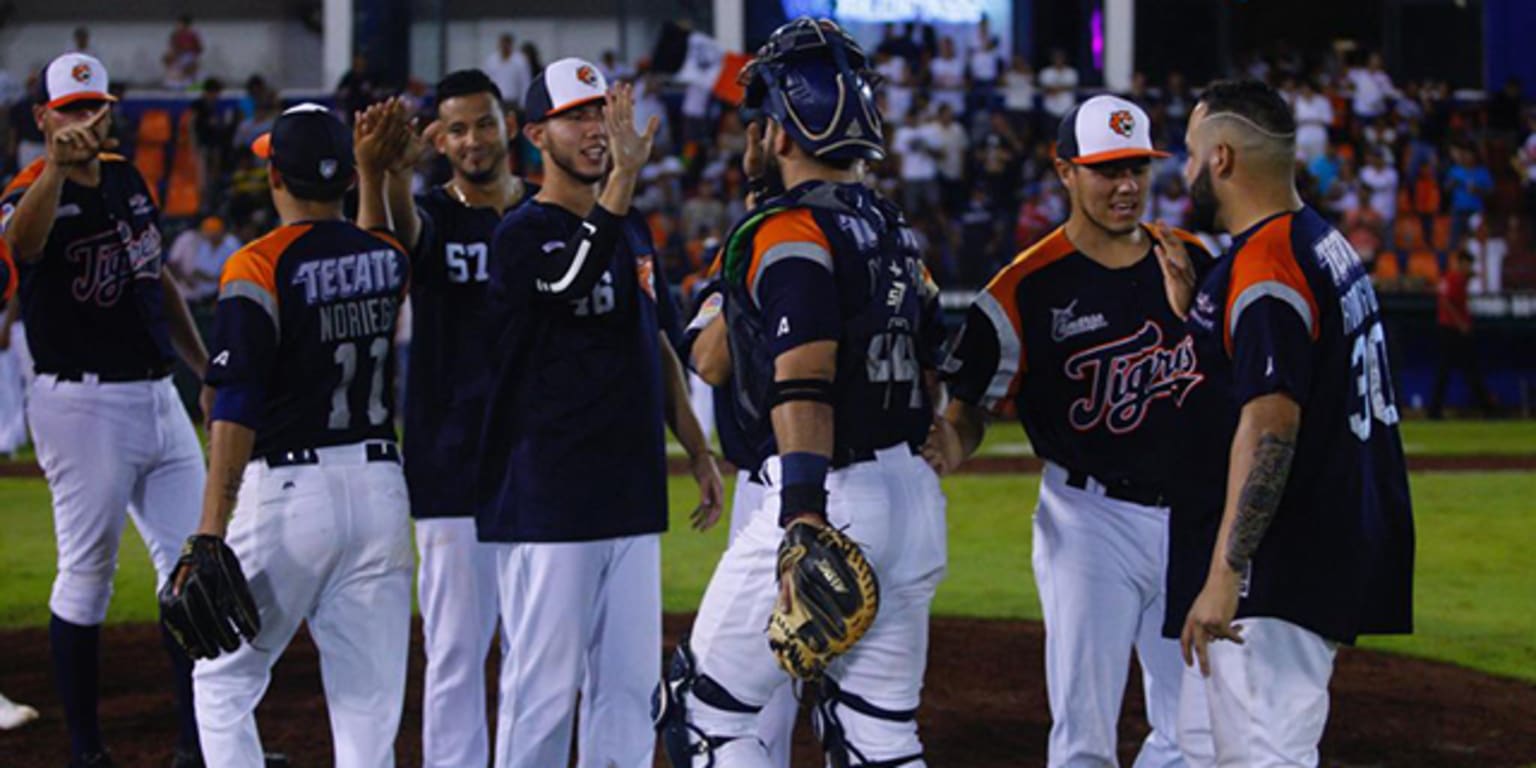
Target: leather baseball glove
point(828, 597)
point(213, 608)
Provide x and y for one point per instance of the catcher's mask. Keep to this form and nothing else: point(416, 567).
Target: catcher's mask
point(812, 78)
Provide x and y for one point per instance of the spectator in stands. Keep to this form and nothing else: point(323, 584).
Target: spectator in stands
point(984, 70)
point(1344, 195)
point(1525, 165)
point(1059, 81)
point(978, 240)
point(535, 60)
point(1426, 198)
point(895, 87)
point(952, 141)
point(1504, 108)
point(1488, 249)
point(1314, 114)
point(901, 45)
point(1177, 103)
point(182, 54)
point(357, 88)
point(1019, 95)
point(510, 69)
point(25, 137)
point(1468, 184)
point(196, 260)
point(614, 70)
point(947, 73)
point(1380, 181)
point(264, 108)
point(1325, 169)
point(997, 158)
point(213, 132)
point(1170, 202)
point(1458, 348)
point(917, 149)
point(1370, 89)
point(82, 42)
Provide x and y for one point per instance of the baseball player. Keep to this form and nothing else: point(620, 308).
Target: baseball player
point(303, 454)
point(1292, 529)
point(705, 348)
point(1080, 334)
point(448, 230)
point(572, 481)
point(104, 323)
point(825, 331)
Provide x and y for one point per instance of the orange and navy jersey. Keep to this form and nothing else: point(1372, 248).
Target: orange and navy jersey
point(93, 300)
point(1094, 360)
point(303, 336)
point(8, 275)
point(1291, 310)
point(834, 262)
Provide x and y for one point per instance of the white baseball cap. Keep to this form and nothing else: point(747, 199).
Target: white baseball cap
point(1104, 129)
point(76, 77)
point(564, 85)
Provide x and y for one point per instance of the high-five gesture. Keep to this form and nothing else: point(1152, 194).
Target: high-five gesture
point(630, 150)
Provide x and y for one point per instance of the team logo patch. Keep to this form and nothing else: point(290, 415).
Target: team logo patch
point(1065, 323)
point(328, 168)
point(1121, 121)
point(587, 75)
point(1126, 376)
point(81, 72)
point(645, 270)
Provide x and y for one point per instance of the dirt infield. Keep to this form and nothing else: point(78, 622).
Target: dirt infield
point(984, 705)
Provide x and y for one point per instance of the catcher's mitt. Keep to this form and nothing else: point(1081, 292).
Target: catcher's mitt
point(214, 603)
point(828, 597)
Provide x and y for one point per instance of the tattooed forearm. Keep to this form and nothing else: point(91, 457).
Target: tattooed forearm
point(1260, 498)
point(232, 488)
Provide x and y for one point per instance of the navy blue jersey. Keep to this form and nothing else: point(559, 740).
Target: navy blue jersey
point(734, 445)
point(303, 336)
point(94, 301)
point(1093, 359)
point(575, 450)
point(445, 378)
point(833, 262)
point(1292, 310)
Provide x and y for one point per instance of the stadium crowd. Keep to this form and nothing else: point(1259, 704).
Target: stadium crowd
point(1412, 171)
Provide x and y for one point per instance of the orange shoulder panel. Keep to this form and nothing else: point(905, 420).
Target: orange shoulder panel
point(388, 237)
point(256, 262)
point(1267, 256)
point(1046, 251)
point(793, 225)
point(25, 178)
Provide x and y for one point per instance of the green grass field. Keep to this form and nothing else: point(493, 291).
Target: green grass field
point(1473, 591)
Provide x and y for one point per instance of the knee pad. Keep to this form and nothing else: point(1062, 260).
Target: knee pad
point(81, 596)
point(833, 705)
point(686, 745)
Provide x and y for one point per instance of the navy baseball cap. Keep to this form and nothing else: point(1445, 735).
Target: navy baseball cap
point(1104, 129)
point(563, 86)
point(309, 146)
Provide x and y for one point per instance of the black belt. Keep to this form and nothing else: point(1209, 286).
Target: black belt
point(302, 456)
point(148, 373)
point(848, 456)
point(1122, 490)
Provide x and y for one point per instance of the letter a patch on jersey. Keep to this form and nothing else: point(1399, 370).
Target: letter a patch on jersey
point(783, 327)
point(222, 358)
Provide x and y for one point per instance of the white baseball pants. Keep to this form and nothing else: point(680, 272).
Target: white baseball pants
point(107, 449)
point(328, 544)
point(893, 508)
point(581, 617)
point(456, 588)
point(1099, 564)
point(776, 721)
point(1265, 703)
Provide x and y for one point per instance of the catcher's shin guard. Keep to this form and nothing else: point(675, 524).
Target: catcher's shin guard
point(684, 743)
point(834, 741)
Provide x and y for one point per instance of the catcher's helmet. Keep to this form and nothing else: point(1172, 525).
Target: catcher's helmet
point(814, 80)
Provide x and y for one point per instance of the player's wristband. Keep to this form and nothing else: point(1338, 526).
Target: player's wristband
point(805, 477)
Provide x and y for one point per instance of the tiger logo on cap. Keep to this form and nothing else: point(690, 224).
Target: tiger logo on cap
point(1121, 121)
point(587, 75)
point(81, 72)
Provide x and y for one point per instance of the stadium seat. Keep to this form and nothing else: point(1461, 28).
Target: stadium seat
point(154, 127)
point(1407, 233)
point(1442, 241)
point(1425, 265)
point(184, 189)
point(1387, 266)
point(149, 147)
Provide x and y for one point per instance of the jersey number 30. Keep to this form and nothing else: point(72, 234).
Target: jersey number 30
point(1373, 382)
point(341, 401)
